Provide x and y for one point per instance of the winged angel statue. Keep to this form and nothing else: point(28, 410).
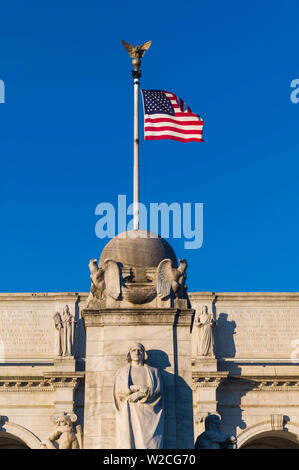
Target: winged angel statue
point(105, 280)
point(136, 53)
point(171, 281)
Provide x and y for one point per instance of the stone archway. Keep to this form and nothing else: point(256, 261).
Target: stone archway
point(16, 435)
point(272, 440)
point(9, 441)
point(263, 434)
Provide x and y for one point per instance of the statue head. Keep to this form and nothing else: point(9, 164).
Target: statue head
point(212, 423)
point(183, 264)
point(64, 420)
point(66, 311)
point(137, 353)
point(204, 309)
point(57, 319)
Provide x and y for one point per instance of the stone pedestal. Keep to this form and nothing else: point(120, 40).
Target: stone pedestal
point(205, 381)
point(204, 363)
point(165, 333)
point(64, 364)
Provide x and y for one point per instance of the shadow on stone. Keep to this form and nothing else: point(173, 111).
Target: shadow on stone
point(178, 403)
point(225, 344)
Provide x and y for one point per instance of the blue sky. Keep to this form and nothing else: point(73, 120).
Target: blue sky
point(66, 136)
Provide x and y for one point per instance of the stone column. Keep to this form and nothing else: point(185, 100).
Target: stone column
point(165, 333)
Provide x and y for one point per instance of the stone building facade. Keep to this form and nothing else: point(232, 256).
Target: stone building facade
point(234, 355)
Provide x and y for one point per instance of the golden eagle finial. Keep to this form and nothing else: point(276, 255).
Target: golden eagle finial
point(137, 52)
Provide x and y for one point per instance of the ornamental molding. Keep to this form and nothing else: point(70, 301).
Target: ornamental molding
point(48, 382)
point(245, 296)
point(207, 379)
point(251, 382)
point(264, 383)
point(137, 316)
point(53, 296)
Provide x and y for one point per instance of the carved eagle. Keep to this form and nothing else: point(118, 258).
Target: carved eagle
point(171, 281)
point(105, 279)
point(138, 51)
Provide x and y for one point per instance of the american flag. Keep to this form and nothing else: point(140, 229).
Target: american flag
point(166, 116)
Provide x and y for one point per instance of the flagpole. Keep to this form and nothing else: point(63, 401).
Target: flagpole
point(136, 76)
point(136, 53)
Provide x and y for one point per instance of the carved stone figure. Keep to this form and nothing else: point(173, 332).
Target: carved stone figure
point(68, 323)
point(205, 340)
point(65, 335)
point(105, 280)
point(59, 337)
point(64, 436)
point(97, 280)
point(138, 398)
point(212, 437)
point(171, 281)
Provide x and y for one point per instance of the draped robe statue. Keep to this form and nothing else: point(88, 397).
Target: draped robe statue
point(205, 324)
point(65, 326)
point(68, 323)
point(138, 399)
point(59, 327)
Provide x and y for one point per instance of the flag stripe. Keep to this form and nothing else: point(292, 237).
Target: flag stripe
point(179, 139)
point(182, 130)
point(184, 125)
point(176, 134)
point(161, 118)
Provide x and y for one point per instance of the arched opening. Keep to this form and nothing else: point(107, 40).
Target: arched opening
point(272, 440)
point(8, 441)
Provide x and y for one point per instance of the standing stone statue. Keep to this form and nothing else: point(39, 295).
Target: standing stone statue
point(64, 436)
point(59, 334)
point(65, 326)
point(138, 398)
point(205, 325)
point(68, 323)
point(212, 437)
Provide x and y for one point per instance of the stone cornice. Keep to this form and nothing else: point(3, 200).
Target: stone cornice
point(137, 316)
point(250, 382)
point(47, 382)
point(194, 295)
point(35, 296)
point(199, 296)
point(243, 296)
point(266, 382)
point(207, 379)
